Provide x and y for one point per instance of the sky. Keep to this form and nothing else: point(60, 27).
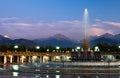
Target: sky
point(33, 19)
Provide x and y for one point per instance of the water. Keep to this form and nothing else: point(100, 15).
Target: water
point(58, 70)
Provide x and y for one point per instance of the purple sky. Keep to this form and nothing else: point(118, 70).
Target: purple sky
point(43, 18)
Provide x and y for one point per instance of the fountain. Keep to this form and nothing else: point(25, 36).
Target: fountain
point(85, 46)
point(85, 54)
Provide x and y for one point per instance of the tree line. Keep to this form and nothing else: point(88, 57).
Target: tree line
point(104, 47)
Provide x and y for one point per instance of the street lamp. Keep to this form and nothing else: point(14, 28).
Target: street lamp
point(37, 47)
point(78, 48)
point(72, 50)
point(119, 46)
point(16, 47)
point(48, 50)
point(96, 49)
point(57, 48)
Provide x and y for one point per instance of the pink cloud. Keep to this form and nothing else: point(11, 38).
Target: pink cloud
point(116, 24)
point(98, 31)
point(16, 24)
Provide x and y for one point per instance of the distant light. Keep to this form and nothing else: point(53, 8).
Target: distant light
point(37, 47)
point(48, 50)
point(47, 76)
point(119, 46)
point(57, 76)
point(15, 67)
point(15, 74)
point(78, 47)
point(73, 50)
point(53, 50)
point(97, 48)
point(57, 71)
point(16, 46)
point(57, 47)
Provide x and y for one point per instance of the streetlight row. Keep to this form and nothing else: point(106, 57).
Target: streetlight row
point(37, 48)
point(78, 48)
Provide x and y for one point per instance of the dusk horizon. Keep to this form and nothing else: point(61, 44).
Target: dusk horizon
point(57, 34)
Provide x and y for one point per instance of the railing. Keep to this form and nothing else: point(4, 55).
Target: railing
point(33, 53)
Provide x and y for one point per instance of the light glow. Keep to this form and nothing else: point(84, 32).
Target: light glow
point(119, 46)
point(15, 74)
point(6, 36)
point(78, 48)
point(37, 47)
point(57, 47)
point(16, 46)
point(97, 48)
point(15, 67)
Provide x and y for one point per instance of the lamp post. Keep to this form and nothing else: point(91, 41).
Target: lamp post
point(57, 48)
point(119, 47)
point(16, 47)
point(37, 48)
point(96, 49)
point(47, 50)
point(78, 48)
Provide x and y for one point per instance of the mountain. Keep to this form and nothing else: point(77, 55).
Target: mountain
point(24, 42)
point(62, 41)
point(106, 38)
point(59, 37)
point(107, 35)
point(117, 37)
point(4, 40)
point(57, 40)
point(92, 38)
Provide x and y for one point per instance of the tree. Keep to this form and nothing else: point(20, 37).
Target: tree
point(104, 47)
point(3, 48)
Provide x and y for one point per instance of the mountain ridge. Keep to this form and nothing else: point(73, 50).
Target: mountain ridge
point(61, 40)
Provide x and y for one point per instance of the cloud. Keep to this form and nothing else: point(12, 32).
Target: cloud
point(96, 25)
point(101, 27)
point(16, 24)
point(99, 23)
point(98, 31)
point(32, 30)
point(8, 18)
point(116, 24)
point(39, 29)
point(74, 22)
